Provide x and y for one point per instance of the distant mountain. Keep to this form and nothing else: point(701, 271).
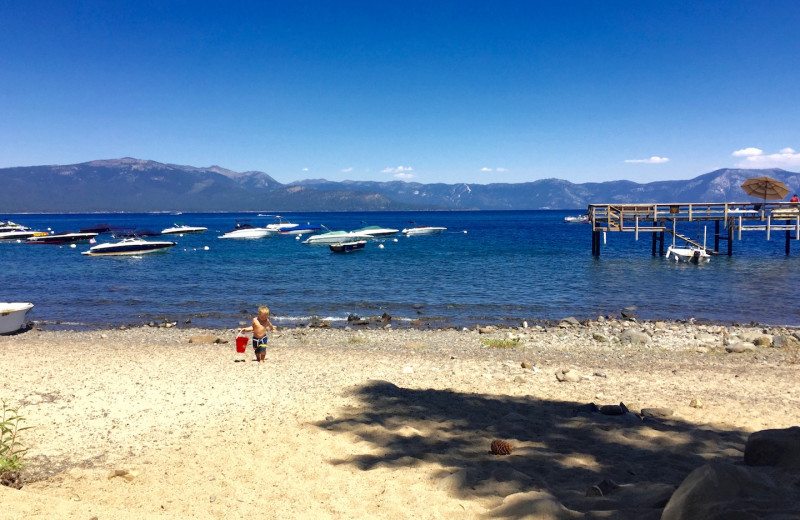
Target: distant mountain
point(140, 185)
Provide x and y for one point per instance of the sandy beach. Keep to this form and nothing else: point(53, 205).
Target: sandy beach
point(387, 423)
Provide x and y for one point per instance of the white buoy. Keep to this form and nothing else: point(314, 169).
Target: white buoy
point(380, 246)
point(206, 248)
point(395, 240)
point(73, 246)
point(465, 231)
point(297, 237)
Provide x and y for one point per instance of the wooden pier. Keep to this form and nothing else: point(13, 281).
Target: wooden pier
point(730, 220)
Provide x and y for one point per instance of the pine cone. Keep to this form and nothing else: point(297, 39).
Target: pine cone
point(501, 447)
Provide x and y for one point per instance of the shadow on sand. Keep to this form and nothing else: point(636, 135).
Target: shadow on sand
point(608, 466)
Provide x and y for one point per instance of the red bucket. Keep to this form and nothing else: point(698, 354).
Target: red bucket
point(241, 343)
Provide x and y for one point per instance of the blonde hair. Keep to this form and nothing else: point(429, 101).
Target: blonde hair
point(263, 309)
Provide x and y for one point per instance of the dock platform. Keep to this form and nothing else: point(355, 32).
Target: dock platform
point(730, 220)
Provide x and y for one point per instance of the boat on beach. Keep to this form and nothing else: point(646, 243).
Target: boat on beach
point(128, 247)
point(12, 316)
point(182, 229)
point(65, 237)
point(348, 247)
point(423, 230)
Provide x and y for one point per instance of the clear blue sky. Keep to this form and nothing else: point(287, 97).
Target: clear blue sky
point(428, 91)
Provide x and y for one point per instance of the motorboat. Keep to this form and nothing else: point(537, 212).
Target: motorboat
point(333, 237)
point(377, 231)
point(247, 231)
point(21, 234)
point(580, 219)
point(128, 246)
point(695, 255)
point(423, 230)
point(301, 229)
point(182, 229)
point(13, 315)
point(281, 225)
point(65, 237)
point(348, 247)
point(7, 225)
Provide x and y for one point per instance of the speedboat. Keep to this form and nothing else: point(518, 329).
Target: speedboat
point(423, 230)
point(65, 237)
point(247, 231)
point(128, 246)
point(348, 247)
point(687, 254)
point(281, 225)
point(182, 229)
point(333, 237)
point(301, 229)
point(580, 219)
point(377, 231)
point(21, 234)
point(12, 316)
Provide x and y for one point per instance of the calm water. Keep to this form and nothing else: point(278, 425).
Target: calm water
point(489, 267)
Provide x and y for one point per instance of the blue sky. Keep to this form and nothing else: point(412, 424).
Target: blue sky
point(426, 91)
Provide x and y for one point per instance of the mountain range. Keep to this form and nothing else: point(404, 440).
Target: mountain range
point(136, 185)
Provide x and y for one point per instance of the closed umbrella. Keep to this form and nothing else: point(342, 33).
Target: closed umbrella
point(765, 188)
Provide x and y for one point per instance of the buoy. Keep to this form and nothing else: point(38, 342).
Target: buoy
point(73, 246)
point(380, 246)
point(206, 248)
point(395, 240)
point(465, 231)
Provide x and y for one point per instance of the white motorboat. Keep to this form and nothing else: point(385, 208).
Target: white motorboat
point(423, 230)
point(7, 225)
point(580, 219)
point(687, 254)
point(377, 231)
point(182, 229)
point(247, 231)
point(129, 247)
point(12, 316)
point(281, 225)
point(334, 237)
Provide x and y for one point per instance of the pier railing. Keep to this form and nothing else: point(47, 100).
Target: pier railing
point(735, 217)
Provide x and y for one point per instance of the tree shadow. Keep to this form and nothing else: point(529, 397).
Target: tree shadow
point(624, 465)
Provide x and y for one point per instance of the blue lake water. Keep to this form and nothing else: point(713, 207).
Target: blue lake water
point(488, 267)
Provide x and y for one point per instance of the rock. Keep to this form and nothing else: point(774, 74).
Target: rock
point(11, 479)
point(696, 403)
point(533, 505)
point(635, 337)
point(385, 317)
point(207, 338)
point(740, 347)
point(600, 374)
point(455, 482)
point(599, 337)
point(353, 317)
point(723, 491)
point(126, 474)
point(526, 365)
point(485, 330)
point(780, 448)
point(628, 315)
point(657, 413)
point(567, 376)
point(763, 341)
point(569, 322)
point(612, 409)
point(660, 325)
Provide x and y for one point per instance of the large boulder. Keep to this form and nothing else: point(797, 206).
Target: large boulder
point(720, 491)
point(779, 448)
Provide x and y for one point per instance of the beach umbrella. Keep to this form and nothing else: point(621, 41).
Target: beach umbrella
point(765, 188)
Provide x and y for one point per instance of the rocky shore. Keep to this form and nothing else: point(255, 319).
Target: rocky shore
point(598, 419)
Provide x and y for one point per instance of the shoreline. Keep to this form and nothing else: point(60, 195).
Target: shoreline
point(383, 423)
